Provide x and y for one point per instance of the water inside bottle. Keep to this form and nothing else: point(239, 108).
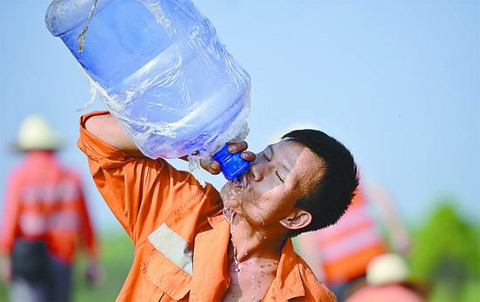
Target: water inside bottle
point(121, 38)
point(163, 74)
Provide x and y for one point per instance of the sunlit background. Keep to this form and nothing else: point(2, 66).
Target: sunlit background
point(398, 82)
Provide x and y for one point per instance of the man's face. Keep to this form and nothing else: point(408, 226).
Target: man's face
point(278, 177)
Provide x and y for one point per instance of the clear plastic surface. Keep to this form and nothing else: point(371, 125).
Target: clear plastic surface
point(161, 71)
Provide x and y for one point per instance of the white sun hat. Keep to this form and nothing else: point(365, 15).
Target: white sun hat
point(36, 134)
point(387, 268)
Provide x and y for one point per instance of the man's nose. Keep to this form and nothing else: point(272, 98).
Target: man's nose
point(258, 169)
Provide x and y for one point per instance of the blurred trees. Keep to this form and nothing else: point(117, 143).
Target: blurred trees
point(447, 252)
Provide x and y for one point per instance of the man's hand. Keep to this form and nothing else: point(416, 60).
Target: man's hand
point(94, 274)
point(214, 167)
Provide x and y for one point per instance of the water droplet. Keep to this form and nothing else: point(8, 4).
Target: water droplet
point(229, 215)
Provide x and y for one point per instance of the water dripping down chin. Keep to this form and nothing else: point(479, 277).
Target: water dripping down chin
point(228, 213)
point(231, 195)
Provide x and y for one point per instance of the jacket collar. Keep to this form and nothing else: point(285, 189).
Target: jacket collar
point(288, 279)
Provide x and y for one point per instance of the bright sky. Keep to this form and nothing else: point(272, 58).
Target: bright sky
point(398, 82)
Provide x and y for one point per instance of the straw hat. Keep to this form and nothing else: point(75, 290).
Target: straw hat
point(387, 268)
point(36, 134)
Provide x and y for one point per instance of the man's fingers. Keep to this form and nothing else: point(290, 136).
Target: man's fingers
point(237, 147)
point(211, 166)
point(214, 167)
point(241, 147)
point(248, 156)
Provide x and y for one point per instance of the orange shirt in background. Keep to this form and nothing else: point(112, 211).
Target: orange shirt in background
point(346, 247)
point(180, 236)
point(45, 201)
point(388, 292)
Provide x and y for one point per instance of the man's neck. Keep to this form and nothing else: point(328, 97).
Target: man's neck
point(255, 242)
point(254, 254)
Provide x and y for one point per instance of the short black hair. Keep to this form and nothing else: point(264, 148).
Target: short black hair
point(336, 188)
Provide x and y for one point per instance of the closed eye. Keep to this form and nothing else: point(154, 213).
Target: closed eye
point(264, 155)
point(278, 175)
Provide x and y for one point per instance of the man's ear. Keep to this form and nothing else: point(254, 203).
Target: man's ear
point(297, 219)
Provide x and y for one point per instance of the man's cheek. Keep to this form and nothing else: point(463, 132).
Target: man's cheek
point(256, 214)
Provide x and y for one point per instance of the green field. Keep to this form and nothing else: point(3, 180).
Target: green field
point(117, 255)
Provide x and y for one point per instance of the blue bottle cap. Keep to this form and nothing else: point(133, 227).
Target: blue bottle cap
point(232, 165)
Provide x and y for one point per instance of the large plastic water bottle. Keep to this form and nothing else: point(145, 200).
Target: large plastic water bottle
point(160, 69)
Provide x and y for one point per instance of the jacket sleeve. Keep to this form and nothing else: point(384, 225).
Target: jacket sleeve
point(88, 235)
point(141, 192)
point(11, 206)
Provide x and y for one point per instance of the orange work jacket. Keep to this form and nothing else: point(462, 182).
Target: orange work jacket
point(179, 233)
point(346, 247)
point(44, 201)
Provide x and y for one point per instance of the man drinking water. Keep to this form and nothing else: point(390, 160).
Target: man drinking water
point(193, 243)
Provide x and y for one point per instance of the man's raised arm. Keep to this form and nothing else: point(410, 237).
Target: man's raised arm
point(106, 128)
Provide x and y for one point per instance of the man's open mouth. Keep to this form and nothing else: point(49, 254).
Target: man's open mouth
point(240, 182)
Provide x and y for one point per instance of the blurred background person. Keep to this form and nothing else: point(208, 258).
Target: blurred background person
point(339, 254)
point(44, 220)
point(388, 280)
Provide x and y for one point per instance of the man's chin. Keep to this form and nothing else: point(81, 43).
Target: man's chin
point(233, 204)
point(230, 196)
